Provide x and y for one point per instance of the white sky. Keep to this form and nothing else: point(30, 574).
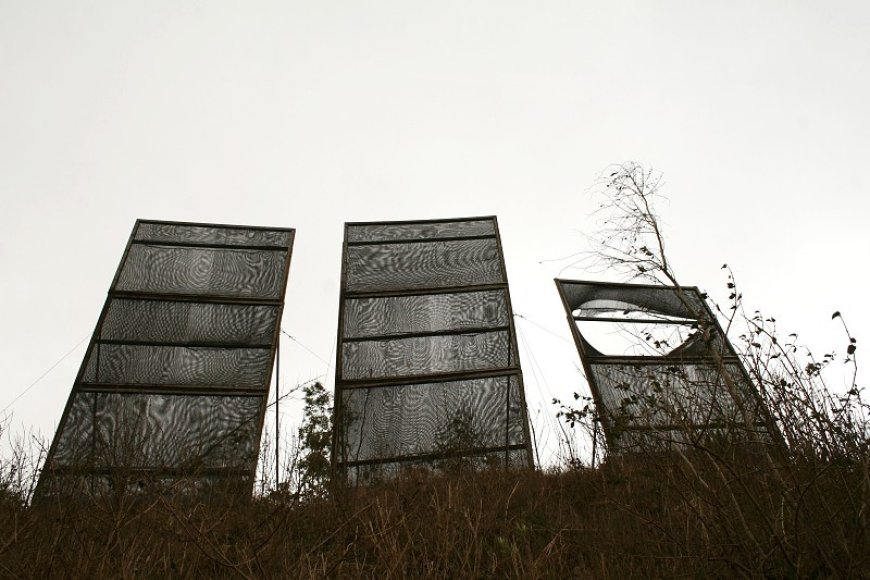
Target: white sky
point(311, 114)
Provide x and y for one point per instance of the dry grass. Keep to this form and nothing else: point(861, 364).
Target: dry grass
point(686, 515)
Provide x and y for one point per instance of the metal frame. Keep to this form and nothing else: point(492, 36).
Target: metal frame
point(81, 386)
point(705, 316)
point(342, 384)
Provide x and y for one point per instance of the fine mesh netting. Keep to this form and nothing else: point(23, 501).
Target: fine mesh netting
point(188, 322)
point(422, 314)
point(224, 236)
point(159, 431)
point(136, 364)
point(684, 394)
point(679, 380)
point(419, 231)
point(423, 355)
point(174, 381)
point(683, 402)
point(591, 299)
point(431, 418)
point(423, 265)
point(203, 271)
point(633, 338)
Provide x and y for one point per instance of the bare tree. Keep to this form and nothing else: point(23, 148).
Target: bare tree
point(630, 241)
point(824, 437)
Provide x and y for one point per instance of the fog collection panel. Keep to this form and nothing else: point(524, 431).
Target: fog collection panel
point(172, 390)
point(427, 366)
point(680, 382)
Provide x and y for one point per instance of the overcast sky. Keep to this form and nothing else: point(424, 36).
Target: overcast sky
point(311, 114)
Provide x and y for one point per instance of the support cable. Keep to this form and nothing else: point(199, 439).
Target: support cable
point(552, 423)
point(43, 375)
point(277, 407)
point(296, 340)
point(538, 375)
point(542, 327)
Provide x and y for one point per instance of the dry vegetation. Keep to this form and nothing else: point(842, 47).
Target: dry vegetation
point(694, 515)
point(799, 511)
point(796, 510)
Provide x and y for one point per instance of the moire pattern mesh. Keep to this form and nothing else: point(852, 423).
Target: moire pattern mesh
point(172, 388)
point(428, 373)
point(685, 394)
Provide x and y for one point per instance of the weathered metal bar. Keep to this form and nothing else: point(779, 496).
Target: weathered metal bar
point(420, 240)
point(188, 343)
point(423, 334)
point(459, 289)
point(474, 452)
point(430, 378)
point(425, 221)
point(167, 389)
point(203, 298)
point(210, 246)
point(634, 320)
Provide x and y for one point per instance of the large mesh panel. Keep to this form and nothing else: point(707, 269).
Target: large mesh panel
point(431, 418)
point(432, 264)
point(171, 393)
point(427, 374)
point(242, 272)
point(146, 364)
point(161, 321)
point(392, 315)
point(423, 355)
point(144, 431)
point(678, 381)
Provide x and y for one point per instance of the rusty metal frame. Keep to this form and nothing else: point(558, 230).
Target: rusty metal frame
point(342, 384)
point(81, 386)
point(705, 316)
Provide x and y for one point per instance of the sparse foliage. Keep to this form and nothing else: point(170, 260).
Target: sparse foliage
point(315, 437)
point(630, 242)
point(817, 485)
